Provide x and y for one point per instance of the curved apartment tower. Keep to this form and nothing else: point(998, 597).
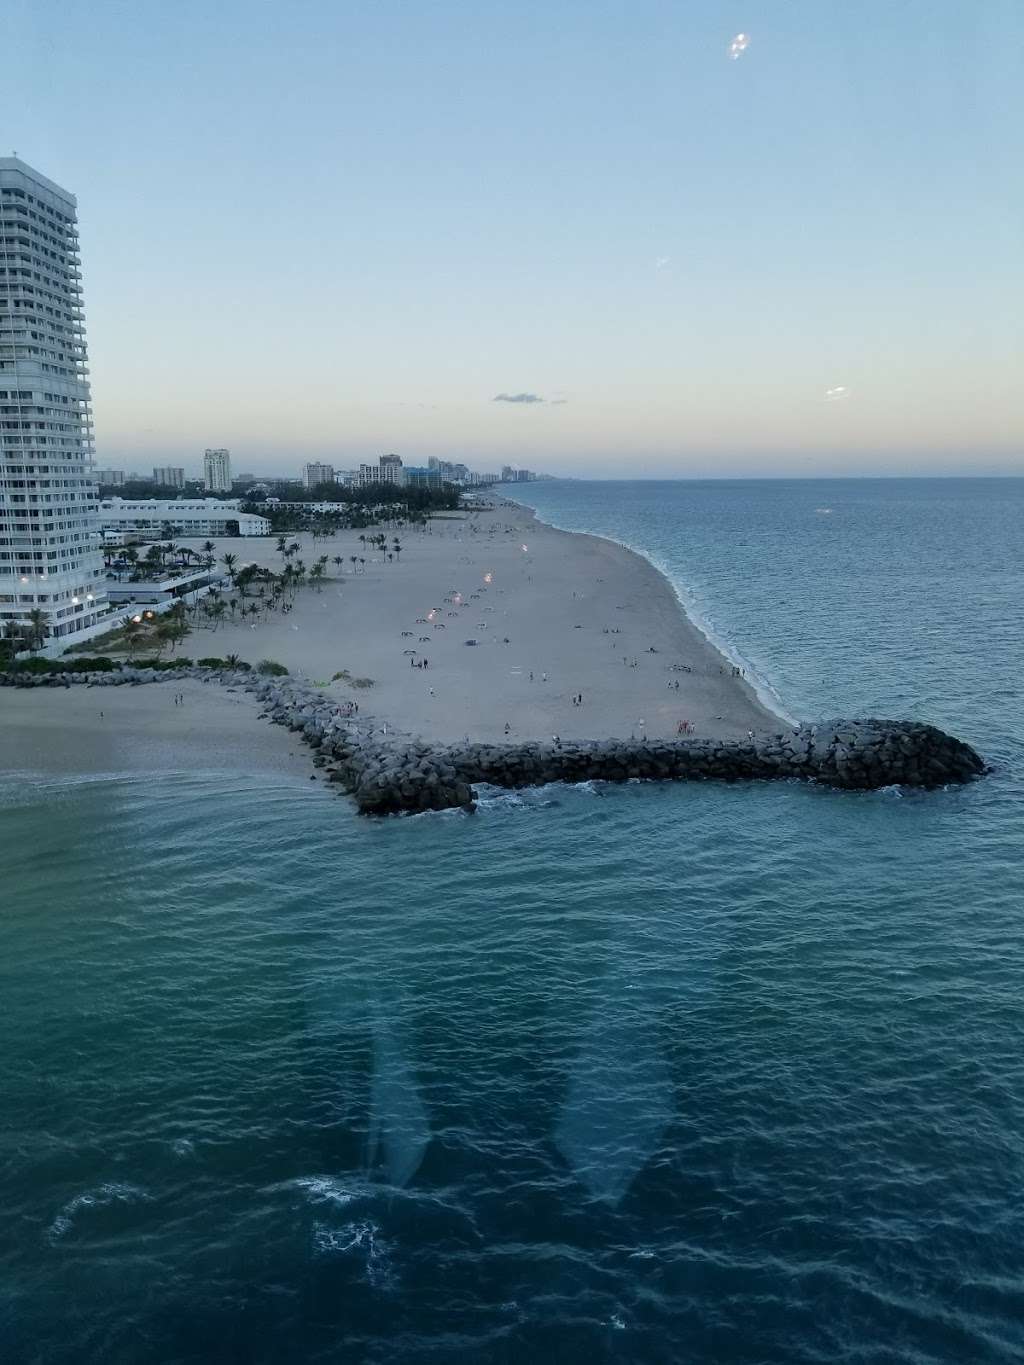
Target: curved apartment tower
point(50, 558)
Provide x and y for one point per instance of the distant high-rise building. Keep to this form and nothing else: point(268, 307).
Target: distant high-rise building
point(110, 478)
point(391, 470)
point(169, 476)
point(313, 475)
point(387, 470)
point(422, 477)
point(508, 474)
point(217, 471)
point(50, 559)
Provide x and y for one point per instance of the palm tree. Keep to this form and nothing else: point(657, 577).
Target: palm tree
point(132, 632)
point(13, 632)
point(339, 561)
point(362, 564)
point(229, 561)
point(282, 545)
point(355, 560)
point(243, 577)
point(38, 628)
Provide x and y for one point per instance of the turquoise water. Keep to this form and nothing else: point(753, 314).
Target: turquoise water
point(645, 1073)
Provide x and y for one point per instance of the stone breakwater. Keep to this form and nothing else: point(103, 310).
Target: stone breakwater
point(386, 777)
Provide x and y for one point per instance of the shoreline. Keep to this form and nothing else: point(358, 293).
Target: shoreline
point(120, 731)
point(772, 704)
point(577, 637)
point(766, 694)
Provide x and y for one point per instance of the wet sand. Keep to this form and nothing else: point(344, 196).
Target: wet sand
point(139, 729)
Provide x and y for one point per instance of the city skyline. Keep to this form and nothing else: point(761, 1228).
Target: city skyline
point(639, 248)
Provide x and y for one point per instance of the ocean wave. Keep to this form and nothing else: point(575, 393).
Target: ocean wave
point(543, 796)
point(325, 1189)
point(100, 1197)
point(364, 1242)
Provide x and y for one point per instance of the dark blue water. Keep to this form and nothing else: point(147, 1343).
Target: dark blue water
point(651, 1073)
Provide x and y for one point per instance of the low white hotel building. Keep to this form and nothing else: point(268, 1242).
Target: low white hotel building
point(151, 517)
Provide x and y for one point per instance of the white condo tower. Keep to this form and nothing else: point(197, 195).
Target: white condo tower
point(49, 527)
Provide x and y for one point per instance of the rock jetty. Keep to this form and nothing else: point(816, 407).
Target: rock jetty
point(389, 776)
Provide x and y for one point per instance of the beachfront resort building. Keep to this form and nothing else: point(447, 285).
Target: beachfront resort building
point(50, 561)
point(313, 475)
point(217, 471)
point(163, 518)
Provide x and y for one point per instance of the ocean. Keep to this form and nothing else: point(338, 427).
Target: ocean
point(652, 1073)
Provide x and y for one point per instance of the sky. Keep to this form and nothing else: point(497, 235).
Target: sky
point(328, 230)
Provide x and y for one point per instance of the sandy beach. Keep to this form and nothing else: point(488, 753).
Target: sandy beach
point(553, 616)
point(140, 729)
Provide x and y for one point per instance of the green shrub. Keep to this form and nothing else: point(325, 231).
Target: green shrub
point(270, 668)
point(36, 666)
point(163, 665)
point(343, 675)
point(212, 662)
point(100, 664)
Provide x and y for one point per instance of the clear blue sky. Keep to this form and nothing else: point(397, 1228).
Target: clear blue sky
point(333, 229)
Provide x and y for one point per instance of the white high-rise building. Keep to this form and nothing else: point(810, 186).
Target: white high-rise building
point(313, 475)
point(169, 476)
point(50, 558)
point(217, 471)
